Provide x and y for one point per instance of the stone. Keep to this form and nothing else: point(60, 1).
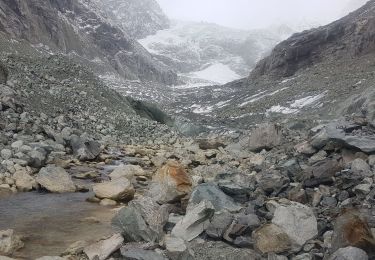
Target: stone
point(305, 148)
point(219, 224)
point(177, 248)
point(362, 189)
point(55, 179)
point(265, 136)
point(371, 160)
point(108, 202)
point(349, 253)
point(196, 220)
point(210, 192)
point(170, 184)
point(6, 154)
point(142, 254)
point(6, 258)
point(273, 256)
point(272, 182)
point(297, 221)
point(75, 248)
point(305, 256)
point(142, 220)
point(126, 171)
point(360, 167)
point(9, 242)
point(102, 249)
point(50, 258)
point(118, 190)
point(271, 239)
point(37, 158)
point(321, 173)
point(319, 156)
point(352, 229)
point(84, 149)
point(24, 181)
point(17, 145)
point(243, 242)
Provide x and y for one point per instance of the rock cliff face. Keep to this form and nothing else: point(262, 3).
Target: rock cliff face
point(350, 37)
point(138, 18)
point(77, 27)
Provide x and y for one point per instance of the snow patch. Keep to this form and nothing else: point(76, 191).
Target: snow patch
point(218, 73)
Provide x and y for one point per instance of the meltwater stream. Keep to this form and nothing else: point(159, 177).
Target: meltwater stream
point(52, 222)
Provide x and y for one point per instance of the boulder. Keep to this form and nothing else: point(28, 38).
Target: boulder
point(349, 253)
point(6, 154)
point(297, 221)
point(170, 183)
point(126, 171)
point(272, 239)
point(142, 254)
point(55, 179)
point(352, 229)
point(38, 157)
point(142, 220)
point(272, 182)
point(265, 136)
point(24, 181)
point(117, 189)
point(321, 173)
point(9, 242)
point(84, 148)
point(196, 220)
point(102, 249)
point(210, 192)
point(360, 167)
point(219, 224)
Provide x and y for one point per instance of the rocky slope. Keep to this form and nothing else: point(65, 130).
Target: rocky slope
point(77, 28)
point(137, 18)
point(316, 73)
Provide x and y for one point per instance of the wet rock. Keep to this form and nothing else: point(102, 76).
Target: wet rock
point(352, 229)
point(219, 224)
point(84, 149)
point(272, 239)
point(101, 250)
point(24, 181)
point(55, 179)
point(142, 220)
point(349, 253)
point(297, 221)
point(126, 171)
point(265, 136)
point(118, 190)
point(210, 192)
point(170, 183)
point(141, 254)
point(9, 242)
point(196, 220)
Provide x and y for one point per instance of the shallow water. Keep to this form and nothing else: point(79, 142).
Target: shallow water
point(52, 222)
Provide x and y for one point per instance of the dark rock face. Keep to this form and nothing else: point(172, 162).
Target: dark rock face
point(351, 36)
point(138, 18)
point(77, 28)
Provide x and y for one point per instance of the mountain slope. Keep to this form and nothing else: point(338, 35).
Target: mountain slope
point(138, 18)
point(77, 28)
point(314, 74)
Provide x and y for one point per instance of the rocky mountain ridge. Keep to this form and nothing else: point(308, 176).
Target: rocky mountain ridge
point(77, 28)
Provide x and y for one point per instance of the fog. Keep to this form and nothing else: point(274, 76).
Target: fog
point(250, 14)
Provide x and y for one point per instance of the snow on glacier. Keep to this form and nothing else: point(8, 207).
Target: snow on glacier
point(218, 73)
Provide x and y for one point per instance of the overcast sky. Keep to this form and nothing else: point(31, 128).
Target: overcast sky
point(248, 14)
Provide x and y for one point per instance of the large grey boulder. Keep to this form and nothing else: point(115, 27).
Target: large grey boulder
point(83, 148)
point(265, 136)
point(349, 253)
point(196, 220)
point(142, 220)
point(297, 221)
point(102, 249)
point(117, 189)
point(55, 179)
point(210, 192)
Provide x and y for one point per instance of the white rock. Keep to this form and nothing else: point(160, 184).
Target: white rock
point(9, 242)
point(126, 171)
point(297, 221)
point(55, 179)
point(118, 190)
point(103, 249)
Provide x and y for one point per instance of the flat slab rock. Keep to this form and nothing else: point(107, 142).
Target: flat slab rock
point(55, 179)
point(101, 250)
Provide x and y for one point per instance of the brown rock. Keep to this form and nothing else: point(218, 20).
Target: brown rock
point(272, 239)
point(352, 229)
